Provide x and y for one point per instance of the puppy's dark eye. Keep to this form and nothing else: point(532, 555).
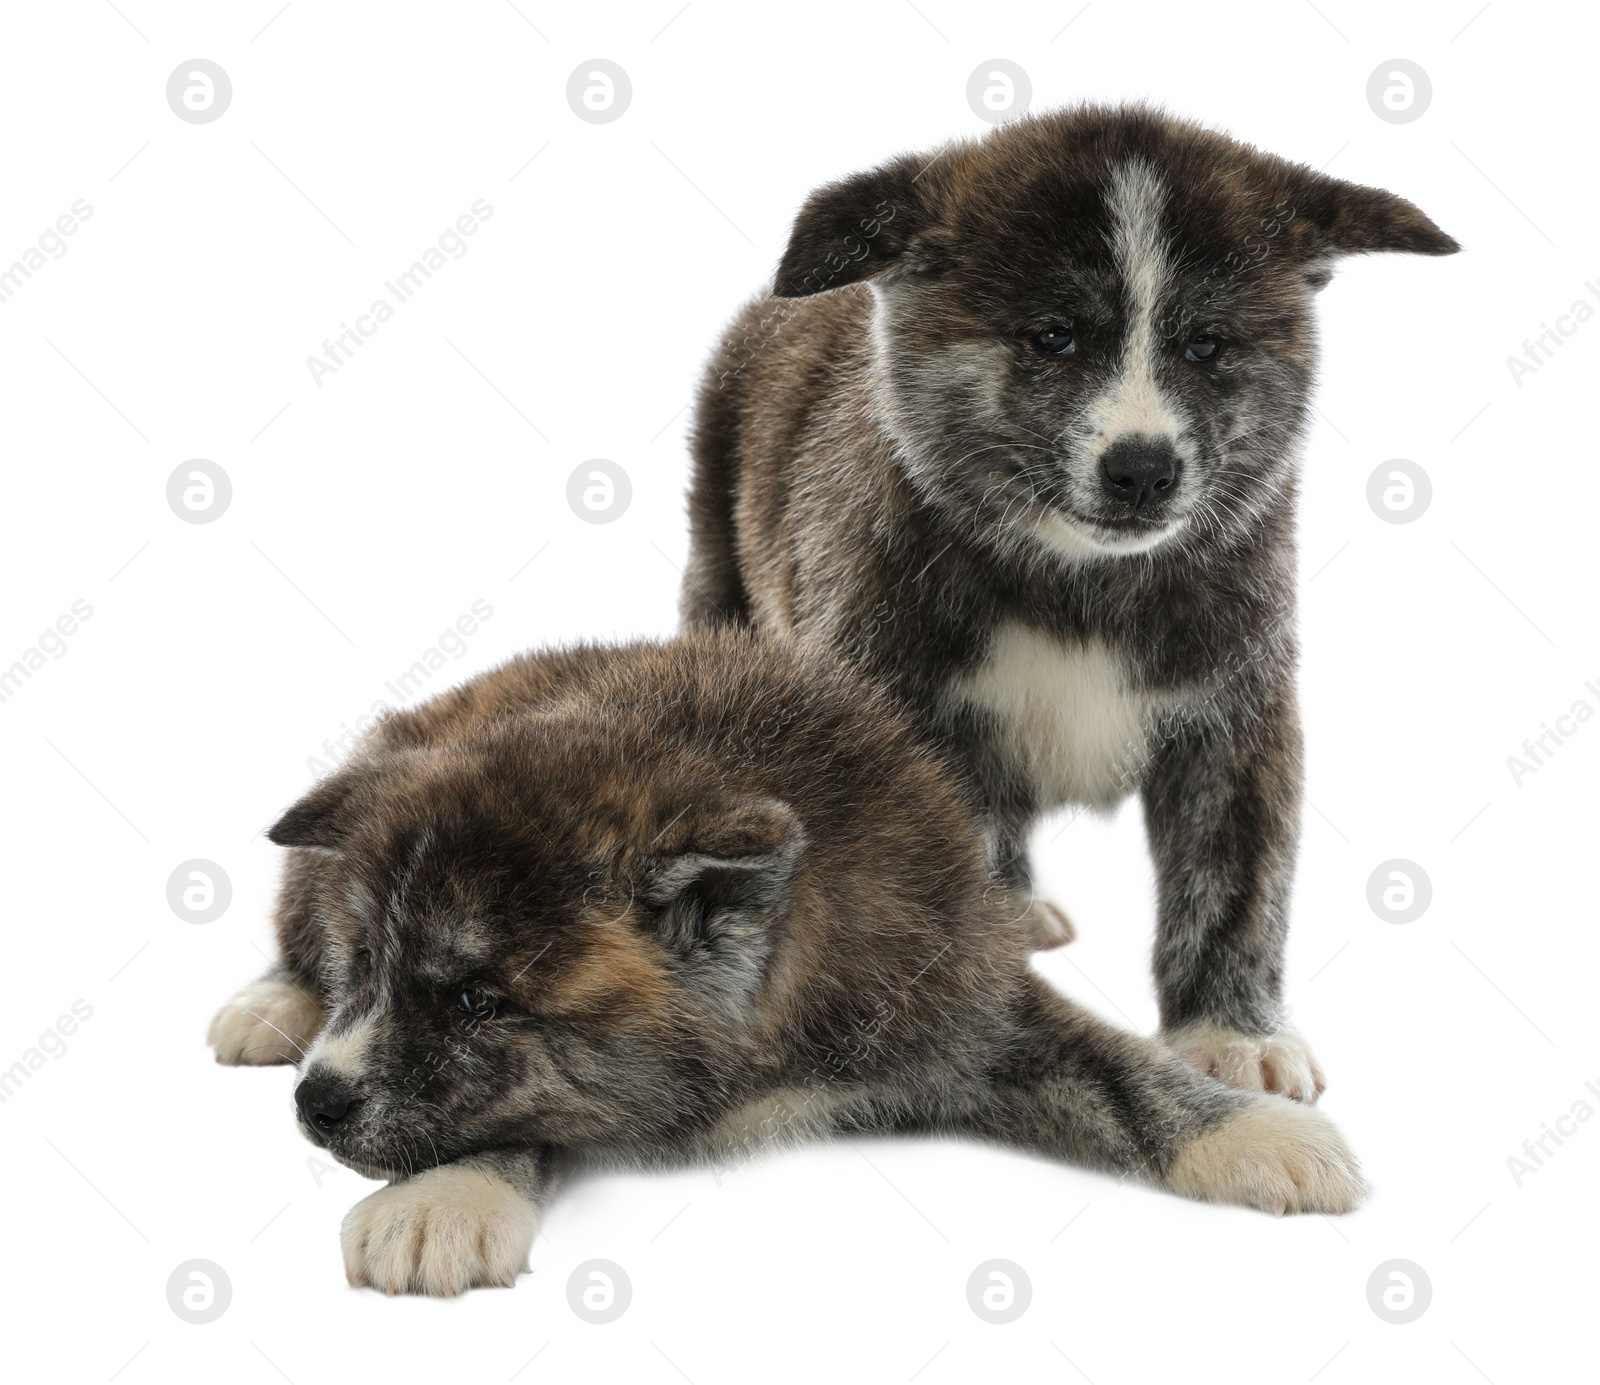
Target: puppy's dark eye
point(474, 1002)
point(1056, 341)
point(1202, 348)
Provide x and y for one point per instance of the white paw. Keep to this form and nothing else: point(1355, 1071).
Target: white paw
point(269, 1021)
point(452, 1228)
point(1273, 1155)
point(1047, 926)
point(1280, 1062)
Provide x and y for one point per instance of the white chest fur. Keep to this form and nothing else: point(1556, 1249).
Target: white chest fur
point(1071, 722)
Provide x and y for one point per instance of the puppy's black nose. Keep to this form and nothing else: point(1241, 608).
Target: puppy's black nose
point(1139, 473)
point(324, 1101)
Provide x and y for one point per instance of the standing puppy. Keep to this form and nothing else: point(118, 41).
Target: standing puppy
point(1017, 431)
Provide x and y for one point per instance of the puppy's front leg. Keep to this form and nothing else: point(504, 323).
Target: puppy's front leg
point(1068, 1085)
point(1222, 810)
point(450, 1228)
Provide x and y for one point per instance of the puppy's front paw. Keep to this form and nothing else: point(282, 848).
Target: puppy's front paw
point(452, 1228)
point(1273, 1155)
point(270, 1021)
point(1047, 926)
point(1280, 1062)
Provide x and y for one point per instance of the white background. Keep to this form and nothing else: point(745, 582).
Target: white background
point(370, 512)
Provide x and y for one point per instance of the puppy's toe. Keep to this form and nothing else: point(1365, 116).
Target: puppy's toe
point(1274, 1155)
point(447, 1230)
point(1048, 926)
point(270, 1021)
point(1281, 1063)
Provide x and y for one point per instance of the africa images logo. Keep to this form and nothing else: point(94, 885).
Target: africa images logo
point(340, 349)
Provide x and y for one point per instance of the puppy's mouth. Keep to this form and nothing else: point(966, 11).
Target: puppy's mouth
point(1063, 528)
point(373, 1171)
point(1119, 528)
point(386, 1164)
point(367, 1169)
point(375, 1158)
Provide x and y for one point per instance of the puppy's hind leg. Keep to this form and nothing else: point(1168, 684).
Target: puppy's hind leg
point(1044, 922)
point(1048, 926)
point(1068, 1085)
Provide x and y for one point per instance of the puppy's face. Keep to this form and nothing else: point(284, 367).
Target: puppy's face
point(523, 949)
point(1094, 329)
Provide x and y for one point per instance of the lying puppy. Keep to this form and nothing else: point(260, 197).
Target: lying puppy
point(1024, 448)
point(671, 901)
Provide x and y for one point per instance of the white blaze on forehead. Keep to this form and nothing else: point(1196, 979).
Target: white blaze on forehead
point(1133, 402)
point(344, 1053)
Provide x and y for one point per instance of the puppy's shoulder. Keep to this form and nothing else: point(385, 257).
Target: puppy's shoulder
point(787, 344)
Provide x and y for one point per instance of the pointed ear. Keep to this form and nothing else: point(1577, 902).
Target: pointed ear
point(861, 227)
point(322, 820)
point(716, 874)
point(1351, 219)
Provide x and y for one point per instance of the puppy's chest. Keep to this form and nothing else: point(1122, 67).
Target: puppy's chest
point(1070, 720)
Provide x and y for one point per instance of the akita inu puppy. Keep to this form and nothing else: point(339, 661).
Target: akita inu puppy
point(679, 900)
point(1016, 431)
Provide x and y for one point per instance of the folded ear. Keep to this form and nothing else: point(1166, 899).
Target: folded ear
point(1351, 219)
point(861, 227)
point(716, 875)
point(324, 817)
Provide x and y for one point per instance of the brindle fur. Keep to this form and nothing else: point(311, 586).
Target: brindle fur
point(674, 900)
point(877, 445)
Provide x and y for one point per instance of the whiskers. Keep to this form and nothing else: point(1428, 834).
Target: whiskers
point(269, 1048)
point(1210, 517)
point(300, 1047)
point(1021, 487)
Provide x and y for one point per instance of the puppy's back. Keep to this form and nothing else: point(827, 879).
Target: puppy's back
point(776, 363)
